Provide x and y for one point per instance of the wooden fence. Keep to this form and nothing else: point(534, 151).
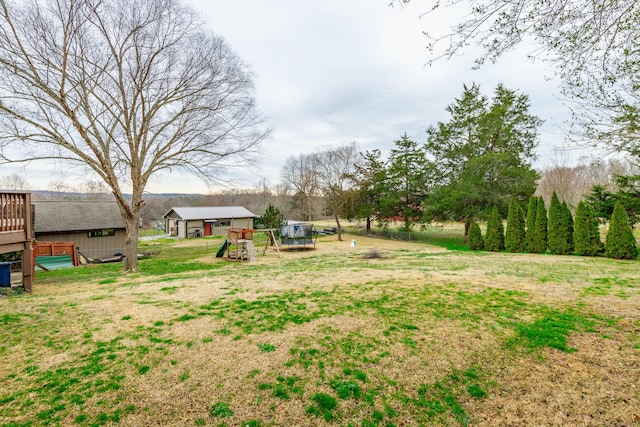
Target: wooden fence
point(56, 249)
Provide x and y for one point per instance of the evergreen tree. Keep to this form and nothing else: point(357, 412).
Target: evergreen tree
point(369, 180)
point(539, 241)
point(514, 239)
point(603, 200)
point(620, 242)
point(482, 155)
point(586, 234)
point(569, 224)
point(271, 218)
point(407, 182)
point(476, 243)
point(629, 195)
point(532, 207)
point(558, 233)
point(555, 233)
point(494, 241)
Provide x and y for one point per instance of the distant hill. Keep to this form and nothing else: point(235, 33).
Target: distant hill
point(67, 195)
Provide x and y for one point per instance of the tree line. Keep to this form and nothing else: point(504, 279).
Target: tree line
point(557, 232)
point(474, 167)
point(481, 157)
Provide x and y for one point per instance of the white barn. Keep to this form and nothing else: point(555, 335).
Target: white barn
point(186, 222)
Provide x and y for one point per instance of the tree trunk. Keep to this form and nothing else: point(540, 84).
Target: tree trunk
point(467, 225)
point(338, 227)
point(368, 225)
point(308, 210)
point(131, 243)
point(131, 215)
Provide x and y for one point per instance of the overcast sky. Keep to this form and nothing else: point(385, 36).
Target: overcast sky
point(330, 72)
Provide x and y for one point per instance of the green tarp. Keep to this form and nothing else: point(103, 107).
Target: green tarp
point(54, 262)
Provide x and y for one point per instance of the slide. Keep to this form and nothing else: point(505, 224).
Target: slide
point(222, 249)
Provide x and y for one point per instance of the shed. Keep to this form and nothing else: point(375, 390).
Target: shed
point(200, 221)
point(96, 227)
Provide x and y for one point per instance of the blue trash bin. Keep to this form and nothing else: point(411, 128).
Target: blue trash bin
point(5, 274)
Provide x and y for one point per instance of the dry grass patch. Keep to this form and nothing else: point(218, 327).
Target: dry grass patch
point(596, 385)
point(422, 336)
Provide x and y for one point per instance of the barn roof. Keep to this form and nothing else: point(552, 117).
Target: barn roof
point(211, 212)
point(76, 215)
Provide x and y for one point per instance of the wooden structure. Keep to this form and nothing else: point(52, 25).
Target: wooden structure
point(271, 238)
point(56, 249)
point(240, 245)
point(96, 227)
point(16, 231)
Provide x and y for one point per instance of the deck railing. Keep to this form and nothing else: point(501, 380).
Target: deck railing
point(13, 209)
point(16, 230)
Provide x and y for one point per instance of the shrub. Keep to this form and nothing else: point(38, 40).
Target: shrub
point(514, 239)
point(559, 233)
point(271, 218)
point(620, 243)
point(532, 208)
point(476, 243)
point(586, 234)
point(539, 238)
point(494, 240)
point(569, 226)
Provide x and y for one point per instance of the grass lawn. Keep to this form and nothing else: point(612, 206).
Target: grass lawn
point(415, 335)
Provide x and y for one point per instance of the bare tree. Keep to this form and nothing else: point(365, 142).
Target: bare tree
point(255, 200)
point(96, 190)
point(573, 183)
point(14, 182)
point(302, 173)
point(570, 33)
point(154, 208)
point(124, 88)
point(561, 180)
point(594, 46)
point(282, 198)
point(337, 167)
point(264, 197)
point(60, 188)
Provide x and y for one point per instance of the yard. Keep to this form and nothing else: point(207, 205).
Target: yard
point(386, 333)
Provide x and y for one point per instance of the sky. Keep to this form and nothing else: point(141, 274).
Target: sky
point(331, 72)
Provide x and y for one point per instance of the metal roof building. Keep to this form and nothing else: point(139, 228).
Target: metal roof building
point(96, 227)
point(65, 215)
point(206, 220)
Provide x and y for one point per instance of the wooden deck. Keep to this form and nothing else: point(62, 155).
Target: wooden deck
point(16, 230)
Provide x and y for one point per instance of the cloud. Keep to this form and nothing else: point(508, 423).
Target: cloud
point(331, 72)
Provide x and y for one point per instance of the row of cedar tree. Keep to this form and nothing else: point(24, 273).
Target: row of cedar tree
point(557, 233)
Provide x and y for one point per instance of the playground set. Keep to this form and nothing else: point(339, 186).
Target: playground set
point(239, 244)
